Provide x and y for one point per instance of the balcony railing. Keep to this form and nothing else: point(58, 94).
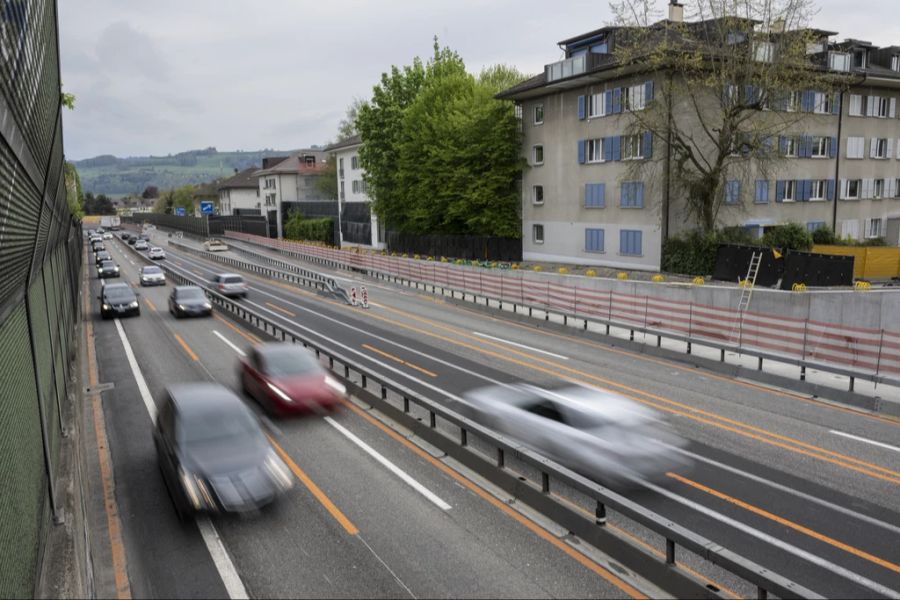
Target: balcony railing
point(575, 65)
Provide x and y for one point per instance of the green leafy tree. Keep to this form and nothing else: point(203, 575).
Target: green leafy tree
point(98, 205)
point(74, 196)
point(715, 87)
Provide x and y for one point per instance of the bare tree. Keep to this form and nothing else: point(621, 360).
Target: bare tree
point(733, 78)
point(347, 126)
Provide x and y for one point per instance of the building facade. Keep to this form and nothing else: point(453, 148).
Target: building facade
point(240, 193)
point(582, 201)
point(292, 179)
point(352, 191)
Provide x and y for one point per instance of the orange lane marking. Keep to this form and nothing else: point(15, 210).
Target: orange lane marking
point(795, 526)
point(113, 523)
point(186, 347)
point(247, 336)
point(281, 310)
point(399, 360)
point(659, 361)
point(323, 499)
point(150, 304)
point(688, 411)
point(515, 515)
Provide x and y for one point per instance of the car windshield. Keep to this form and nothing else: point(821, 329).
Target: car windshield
point(217, 426)
point(107, 264)
point(191, 294)
point(120, 295)
point(291, 361)
point(151, 270)
point(233, 279)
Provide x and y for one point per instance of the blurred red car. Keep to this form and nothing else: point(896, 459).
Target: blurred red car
point(286, 378)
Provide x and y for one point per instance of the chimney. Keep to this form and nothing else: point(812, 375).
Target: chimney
point(676, 12)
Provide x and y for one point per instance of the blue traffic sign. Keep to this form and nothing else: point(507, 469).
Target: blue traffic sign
point(179, 211)
point(206, 207)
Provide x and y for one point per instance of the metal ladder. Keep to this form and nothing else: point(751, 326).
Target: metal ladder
point(746, 294)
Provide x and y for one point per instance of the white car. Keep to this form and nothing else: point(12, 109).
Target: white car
point(156, 252)
point(107, 236)
point(601, 435)
point(215, 245)
point(141, 245)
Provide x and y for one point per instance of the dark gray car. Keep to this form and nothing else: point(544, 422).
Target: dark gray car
point(118, 300)
point(213, 454)
point(189, 301)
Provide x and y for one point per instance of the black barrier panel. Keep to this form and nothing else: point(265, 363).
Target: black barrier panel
point(733, 260)
point(356, 233)
point(241, 223)
point(817, 270)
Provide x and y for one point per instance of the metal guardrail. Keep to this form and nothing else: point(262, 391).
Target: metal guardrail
point(384, 393)
point(522, 308)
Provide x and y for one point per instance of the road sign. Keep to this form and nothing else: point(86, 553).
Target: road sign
point(206, 207)
point(179, 211)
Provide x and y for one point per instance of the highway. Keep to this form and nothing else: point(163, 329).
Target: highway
point(802, 486)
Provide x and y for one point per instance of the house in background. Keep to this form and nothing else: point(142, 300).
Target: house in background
point(291, 179)
point(359, 225)
point(581, 202)
point(239, 194)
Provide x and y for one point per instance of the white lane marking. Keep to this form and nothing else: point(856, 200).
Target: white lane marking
point(789, 548)
point(496, 339)
point(227, 341)
point(390, 466)
point(865, 441)
point(214, 545)
point(792, 491)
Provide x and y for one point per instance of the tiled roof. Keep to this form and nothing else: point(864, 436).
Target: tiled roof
point(353, 140)
point(296, 163)
point(243, 179)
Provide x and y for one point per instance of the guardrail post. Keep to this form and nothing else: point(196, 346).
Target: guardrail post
point(878, 362)
point(761, 593)
point(501, 459)
point(347, 371)
point(721, 354)
point(463, 437)
point(670, 552)
point(405, 404)
point(852, 382)
point(432, 419)
point(759, 366)
point(600, 514)
point(802, 372)
point(545, 482)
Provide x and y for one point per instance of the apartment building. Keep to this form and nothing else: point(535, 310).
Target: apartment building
point(291, 179)
point(582, 201)
point(353, 199)
point(240, 193)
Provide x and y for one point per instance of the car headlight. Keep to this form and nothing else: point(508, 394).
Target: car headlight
point(106, 307)
point(336, 385)
point(279, 391)
point(196, 490)
point(116, 269)
point(133, 304)
point(278, 471)
point(207, 305)
point(182, 307)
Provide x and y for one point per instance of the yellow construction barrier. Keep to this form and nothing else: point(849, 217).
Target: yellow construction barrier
point(622, 275)
point(658, 278)
point(798, 287)
point(862, 285)
point(869, 262)
point(698, 280)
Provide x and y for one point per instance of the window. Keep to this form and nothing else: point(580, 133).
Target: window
point(537, 155)
point(792, 102)
point(595, 151)
point(855, 147)
point(881, 107)
point(634, 97)
point(630, 242)
point(310, 161)
point(631, 147)
point(538, 114)
point(819, 147)
point(735, 37)
point(354, 162)
point(732, 191)
point(597, 105)
point(895, 63)
point(537, 194)
point(896, 188)
point(595, 195)
point(856, 105)
point(859, 59)
point(813, 226)
point(762, 192)
point(355, 186)
point(593, 240)
point(363, 186)
point(851, 189)
point(824, 103)
point(601, 48)
point(632, 194)
point(839, 61)
point(790, 191)
point(789, 146)
point(537, 234)
point(815, 48)
point(878, 148)
point(817, 190)
point(873, 228)
point(763, 51)
point(878, 188)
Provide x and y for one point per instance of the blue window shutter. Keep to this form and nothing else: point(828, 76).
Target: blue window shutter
point(806, 146)
point(807, 100)
point(648, 92)
point(581, 108)
point(762, 191)
point(608, 99)
point(617, 100)
point(836, 104)
point(647, 142)
point(623, 241)
point(781, 101)
point(832, 147)
point(617, 147)
point(588, 194)
point(600, 195)
point(639, 194)
point(607, 148)
point(638, 242)
point(782, 144)
point(805, 190)
point(581, 145)
point(779, 190)
point(588, 239)
point(624, 193)
point(829, 189)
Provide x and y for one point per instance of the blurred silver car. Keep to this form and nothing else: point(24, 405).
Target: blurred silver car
point(601, 435)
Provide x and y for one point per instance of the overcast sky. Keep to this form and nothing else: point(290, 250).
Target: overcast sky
point(164, 76)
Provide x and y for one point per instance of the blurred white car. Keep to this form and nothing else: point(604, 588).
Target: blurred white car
point(156, 252)
point(215, 245)
point(107, 236)
point(601, 435)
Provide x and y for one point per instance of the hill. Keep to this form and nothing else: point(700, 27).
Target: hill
point(114, 176)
